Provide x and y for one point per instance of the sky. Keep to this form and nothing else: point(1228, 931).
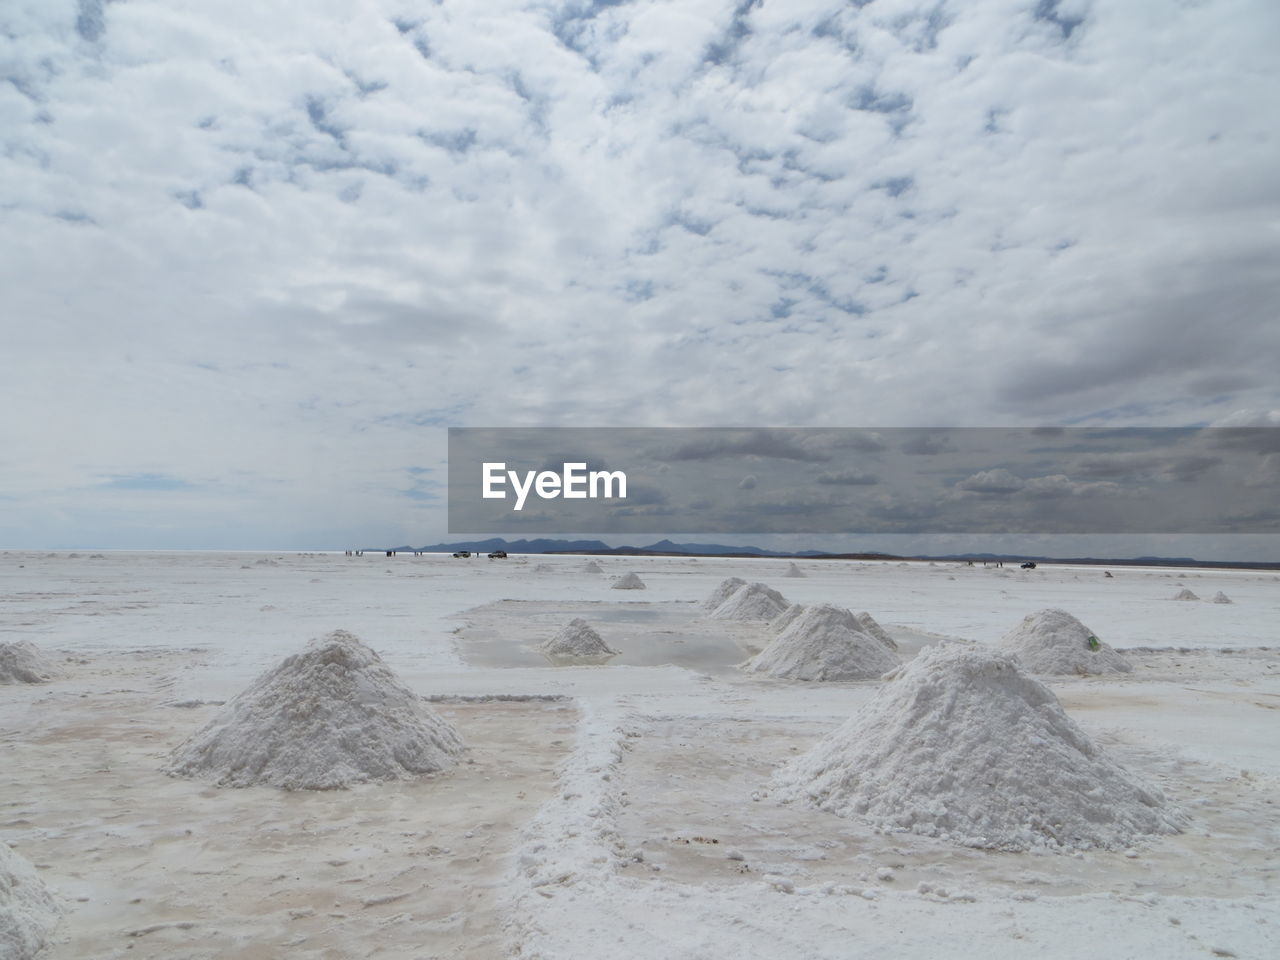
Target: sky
point(257, 258)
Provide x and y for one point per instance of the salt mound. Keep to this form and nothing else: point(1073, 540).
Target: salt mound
point(1185, 594)
point(869, 625)
point(577, 639)
point(794, 571)
point(752, 601)
point(722, 593)
point(28, 912)
point(859, 623)
point(786, 617)
point(1221, 597)
point(592, 567)
point(823, 643)
point(631, 581)
point(544, 568)
point(23, 662)
point(324, 718)
point(1054, 642)
point(962, 745)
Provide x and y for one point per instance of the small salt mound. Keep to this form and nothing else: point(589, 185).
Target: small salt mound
point(869, 625)
point(823, 643)
point(577, 639)
point(722, 593)
point(1221, 597)
point(794, 571)
point(325, 718)
point(544, 568)
point(786, 617)
point(592, 567)
point(752, 601)
point(1054, 642)
point(631, 581)
point(961, 744)
point(1185, 594)
point(23, 662)
point(28, 912)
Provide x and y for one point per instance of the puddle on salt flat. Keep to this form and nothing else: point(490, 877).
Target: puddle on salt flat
point(507, 634)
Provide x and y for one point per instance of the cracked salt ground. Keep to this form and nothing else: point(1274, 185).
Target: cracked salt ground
point(156, 867)
point(719, 770)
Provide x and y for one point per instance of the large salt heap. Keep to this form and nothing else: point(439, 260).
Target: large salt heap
point(794, 571)
point(592, 567)
point(631, 581)
point(858, 622)
point(1185, 594)
point(786, 617)
point(21, 661)
point(823, 643)
point(869, 625)
point(1052, 641)
point(722, 593)
point(325, 718)
point(577, 639)
point(752, 601)
point(28, 912)
point(961, 744)
point(1220, 597)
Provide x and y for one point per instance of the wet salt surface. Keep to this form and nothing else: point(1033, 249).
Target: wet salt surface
point(505, 634)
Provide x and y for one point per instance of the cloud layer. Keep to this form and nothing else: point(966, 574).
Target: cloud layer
point(254, 261)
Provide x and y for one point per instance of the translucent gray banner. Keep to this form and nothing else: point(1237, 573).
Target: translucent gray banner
point(854, 480)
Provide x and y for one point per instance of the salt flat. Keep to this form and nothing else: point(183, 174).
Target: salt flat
point(602, 802)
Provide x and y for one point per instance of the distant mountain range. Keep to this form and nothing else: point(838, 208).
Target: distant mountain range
point(668, 548)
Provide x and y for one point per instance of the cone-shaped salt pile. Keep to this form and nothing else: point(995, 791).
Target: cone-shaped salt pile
point(544, 568)
point(869, 625)
point(961, 744)
point(1054, 642)
point(794, 571)
point(1185, 594)
point(28, 912)
point(1221, 597)
point(786, 617)
point(592, 567)
point(722, 593)
point(23, 662)
point(324, 718)
point(631, 581)
point(823, 643)
point(752, 601)
point(577, 639)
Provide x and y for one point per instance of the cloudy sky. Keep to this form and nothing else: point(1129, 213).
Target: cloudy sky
point(256, 258)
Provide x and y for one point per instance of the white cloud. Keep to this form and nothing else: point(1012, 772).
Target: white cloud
point(259, 252)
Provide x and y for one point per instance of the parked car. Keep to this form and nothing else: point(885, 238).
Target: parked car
point(1029, 565)
point(498, 555)
point(462, 554)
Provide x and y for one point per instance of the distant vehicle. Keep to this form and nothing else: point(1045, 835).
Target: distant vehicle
point(1029, 565)
point(498, 555)
point(462, 554)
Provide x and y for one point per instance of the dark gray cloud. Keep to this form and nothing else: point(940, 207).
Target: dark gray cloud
point(770, 444)
point(848, 478)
